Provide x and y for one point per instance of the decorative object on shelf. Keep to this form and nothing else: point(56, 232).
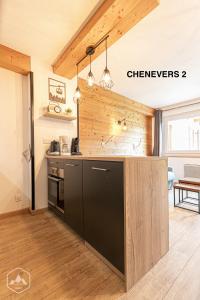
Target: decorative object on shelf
point(106, 81)
point(57, 109)
point(59, 116)
point(51, 107)
point(68, 111)
point(122, 123)
point(77, 93)
point(57, 91)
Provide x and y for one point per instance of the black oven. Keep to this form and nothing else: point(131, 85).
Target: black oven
point(56, 188)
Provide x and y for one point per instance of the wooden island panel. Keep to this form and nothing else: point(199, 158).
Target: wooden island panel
point(147, 216)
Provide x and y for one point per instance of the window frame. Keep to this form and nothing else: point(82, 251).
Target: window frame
point(177, 116)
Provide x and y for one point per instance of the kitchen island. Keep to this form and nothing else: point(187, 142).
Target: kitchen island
point(119, 206)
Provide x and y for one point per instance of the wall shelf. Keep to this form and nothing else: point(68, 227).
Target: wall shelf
point(59, 116)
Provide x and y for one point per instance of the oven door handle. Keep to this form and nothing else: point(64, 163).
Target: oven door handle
point(100, 169)
point(54, 179)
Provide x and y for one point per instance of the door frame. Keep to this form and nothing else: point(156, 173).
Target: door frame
point(32, 141)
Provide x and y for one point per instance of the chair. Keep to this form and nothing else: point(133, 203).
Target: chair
point(171, 177)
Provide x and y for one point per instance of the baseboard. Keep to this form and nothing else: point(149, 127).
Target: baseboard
point(37, 211)
point(14, 213)
point(22, 212)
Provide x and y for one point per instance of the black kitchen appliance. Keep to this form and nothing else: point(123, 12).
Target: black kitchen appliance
point(54, 147)
point(75, 147)
point(56, 186)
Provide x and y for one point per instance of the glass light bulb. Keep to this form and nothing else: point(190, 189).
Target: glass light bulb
point(107, 76)
point(90, 79)
point(106, 81)
point(77, 93)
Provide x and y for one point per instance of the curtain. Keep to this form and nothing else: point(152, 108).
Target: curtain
point(157, 150)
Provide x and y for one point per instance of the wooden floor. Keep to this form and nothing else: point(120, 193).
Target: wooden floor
point(62, 267)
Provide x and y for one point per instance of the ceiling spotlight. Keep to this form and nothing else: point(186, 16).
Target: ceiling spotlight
point(106, 81)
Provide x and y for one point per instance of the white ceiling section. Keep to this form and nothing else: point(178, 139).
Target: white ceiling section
point(41, 28)
point(167, 39)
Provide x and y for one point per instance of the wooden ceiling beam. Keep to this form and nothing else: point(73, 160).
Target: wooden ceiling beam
point(113, 17)
point(14, 61)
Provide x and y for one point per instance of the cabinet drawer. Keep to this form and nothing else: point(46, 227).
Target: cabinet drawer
point(104, 209)
point(56, 163)
point(52, 163)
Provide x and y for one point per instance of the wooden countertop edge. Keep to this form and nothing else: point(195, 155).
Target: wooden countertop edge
point(109, 158)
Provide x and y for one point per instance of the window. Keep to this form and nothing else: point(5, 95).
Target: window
point(183, 134)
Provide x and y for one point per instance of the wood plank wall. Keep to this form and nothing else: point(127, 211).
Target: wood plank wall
point(99, 132)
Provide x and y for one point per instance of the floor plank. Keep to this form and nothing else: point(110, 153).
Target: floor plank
point(62, 267)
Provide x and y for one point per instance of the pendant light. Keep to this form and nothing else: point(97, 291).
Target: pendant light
point(106, 81)
point(90, 78)
point(77, 94)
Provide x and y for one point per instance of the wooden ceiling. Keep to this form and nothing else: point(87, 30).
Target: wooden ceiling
point(14, 61)
point(113, 17)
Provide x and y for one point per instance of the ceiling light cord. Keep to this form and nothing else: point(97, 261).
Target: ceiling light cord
point(77, 74)
point(77, 93)
point(106, 54)
point(90, 77)
point(90, 62)
point(106, 80)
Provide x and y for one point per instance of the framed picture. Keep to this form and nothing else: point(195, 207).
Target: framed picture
point(57, 91)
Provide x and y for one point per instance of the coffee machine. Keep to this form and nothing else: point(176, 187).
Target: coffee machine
point(54, 148)
point(75, 147)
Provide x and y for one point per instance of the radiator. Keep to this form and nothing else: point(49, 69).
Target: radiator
point(192, 171)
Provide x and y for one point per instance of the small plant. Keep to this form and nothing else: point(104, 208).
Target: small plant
point(68, 110)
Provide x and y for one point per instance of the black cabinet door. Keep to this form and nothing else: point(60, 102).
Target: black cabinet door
point(73, 190)
point(104, 209)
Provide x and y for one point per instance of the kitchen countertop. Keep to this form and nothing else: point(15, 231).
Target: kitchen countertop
point(105, 157)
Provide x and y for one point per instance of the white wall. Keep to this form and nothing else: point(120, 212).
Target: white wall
point(14, 174)
point(47, 129)
point(178, 162)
